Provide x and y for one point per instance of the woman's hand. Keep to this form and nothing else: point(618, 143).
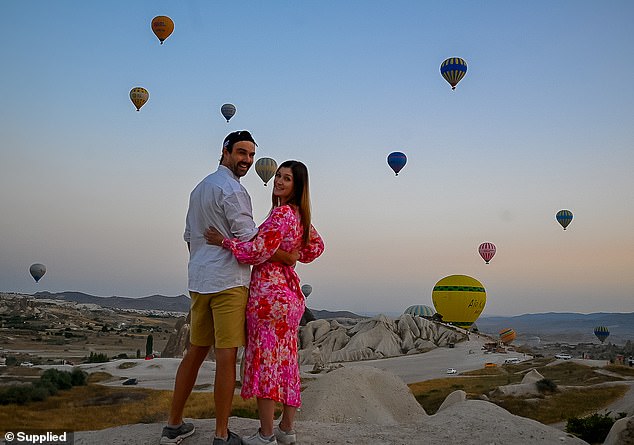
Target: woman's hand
point(213, 236)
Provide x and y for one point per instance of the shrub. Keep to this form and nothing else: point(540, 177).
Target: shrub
point(60, 379)
point(78, 377)
point(18, 394)
point(47, 386)
point(546, 386)
point(592, 429)
point(97, 358)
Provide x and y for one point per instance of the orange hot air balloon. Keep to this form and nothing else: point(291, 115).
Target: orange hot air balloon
point(163, 27)
point(139, 96)
point(507, 336)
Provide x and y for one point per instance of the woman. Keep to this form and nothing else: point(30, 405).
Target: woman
point(276, 303)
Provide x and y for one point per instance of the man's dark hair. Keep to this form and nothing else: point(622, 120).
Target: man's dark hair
point(232, 138)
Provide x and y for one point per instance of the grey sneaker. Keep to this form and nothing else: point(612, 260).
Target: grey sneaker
point(285, 437)
point(233, 439)
point(176, 435)
point(257, 439)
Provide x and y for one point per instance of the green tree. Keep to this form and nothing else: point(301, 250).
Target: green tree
point(149, 345)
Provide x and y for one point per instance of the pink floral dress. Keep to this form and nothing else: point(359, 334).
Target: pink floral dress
point(275, 306)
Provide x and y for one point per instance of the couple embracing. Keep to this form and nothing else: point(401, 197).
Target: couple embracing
point(233, 305)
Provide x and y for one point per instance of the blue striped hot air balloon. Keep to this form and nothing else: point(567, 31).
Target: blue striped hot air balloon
point(453, 70)
point(564, 217)
point(602, 332)
point(396, 160)
point(420, 310)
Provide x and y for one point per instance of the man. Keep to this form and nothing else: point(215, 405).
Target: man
point(218, 286)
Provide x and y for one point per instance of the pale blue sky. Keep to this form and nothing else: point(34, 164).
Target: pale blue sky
point(542, 121)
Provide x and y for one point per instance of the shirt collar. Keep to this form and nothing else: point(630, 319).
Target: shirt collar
point(226, 171)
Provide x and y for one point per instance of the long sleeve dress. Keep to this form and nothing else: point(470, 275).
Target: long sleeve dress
point(275, 306)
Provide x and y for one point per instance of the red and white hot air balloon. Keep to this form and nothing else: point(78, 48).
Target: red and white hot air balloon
point(487, 251)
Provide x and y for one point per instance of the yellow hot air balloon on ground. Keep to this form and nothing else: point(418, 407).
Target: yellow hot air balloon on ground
point(460, 300)
point(139, 96)
point(163, 27)
point(265, 168)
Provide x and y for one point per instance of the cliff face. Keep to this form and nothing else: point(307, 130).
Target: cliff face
point(324, 341)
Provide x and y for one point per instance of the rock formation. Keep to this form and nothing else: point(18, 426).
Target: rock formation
point(323, 341)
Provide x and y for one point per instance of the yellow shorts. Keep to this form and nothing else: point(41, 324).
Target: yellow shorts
point(218, 319)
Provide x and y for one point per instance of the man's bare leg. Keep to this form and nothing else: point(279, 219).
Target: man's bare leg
point(185, 380)
point(224, 386)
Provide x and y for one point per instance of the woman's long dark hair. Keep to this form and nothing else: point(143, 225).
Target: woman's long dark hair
point(300, 196)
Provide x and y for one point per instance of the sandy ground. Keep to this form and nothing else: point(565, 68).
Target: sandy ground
point(366, 403)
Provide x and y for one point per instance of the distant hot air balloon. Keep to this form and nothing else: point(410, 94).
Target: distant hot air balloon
point(265, 168)
point(453, 70)
point(564, 217)
point(139, 96)
point(162, 26)
point(487, 251)
point(420, 310)
point(507, 336)
point(306, 290)
point(228, 110)
point(602, 332)
point(37, 271)
point(396, 160)
point(459, 299)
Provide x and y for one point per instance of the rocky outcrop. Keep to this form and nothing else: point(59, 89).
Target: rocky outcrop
point(323, 341)
point(527, 387)
point(178, 342)
point(360, 395)
point(621, 433)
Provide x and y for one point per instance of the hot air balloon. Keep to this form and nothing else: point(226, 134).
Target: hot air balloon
point(162, 26)
point(453, 70)
point(139, 96)
point(306, 290)
point(420, 310)
point(228, 110)
point(507, 336)
point(396, 160)
point(564, 217)
point(460, 300)
point(602, 332)
point(37, 271)
point(487, 251)
point(265, 168)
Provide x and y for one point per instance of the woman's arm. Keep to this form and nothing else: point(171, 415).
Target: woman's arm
point(263, 246)
point(313, 249)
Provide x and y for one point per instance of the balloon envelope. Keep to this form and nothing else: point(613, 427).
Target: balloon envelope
point(162, 26)
point(453, 70)
point(420, 310)
point(265, 168)
point(507, 336)
point(306, 290)
point(37, 271)
point(487, 251)
point(396, 160)
point(564, 217)
point(602, 332)
point(139, 96)
point(459, 299)
point(228, 110)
